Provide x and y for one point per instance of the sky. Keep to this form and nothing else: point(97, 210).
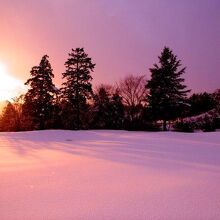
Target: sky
point(122, 36)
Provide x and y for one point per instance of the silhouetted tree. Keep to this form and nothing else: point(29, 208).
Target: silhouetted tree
point(133, 92)
point(55, 117)
point(217, 98)
point(18, 104)
point(38, 101)
point(200, 103)
point(117, 111)
point(77, 87)
point(217, 108)
point(8, 118)
point(102, 109)
point(167, 92)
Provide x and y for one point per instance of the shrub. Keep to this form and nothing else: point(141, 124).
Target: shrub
point(208, 125)
point(184, 126)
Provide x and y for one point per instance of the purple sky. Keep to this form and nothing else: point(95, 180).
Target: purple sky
point(122, 36)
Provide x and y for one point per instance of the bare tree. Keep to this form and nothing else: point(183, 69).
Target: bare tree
point(17, 103)
point(133, 91)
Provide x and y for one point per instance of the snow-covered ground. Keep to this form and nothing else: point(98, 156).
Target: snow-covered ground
point(70, 175)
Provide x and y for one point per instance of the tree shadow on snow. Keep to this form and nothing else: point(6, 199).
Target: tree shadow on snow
point(160, 150)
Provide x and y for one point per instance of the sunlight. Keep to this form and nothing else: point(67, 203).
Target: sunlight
point(10, 87)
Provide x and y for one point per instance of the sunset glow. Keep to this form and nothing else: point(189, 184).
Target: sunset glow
point(9, 85)
point(122, 37)
point(109, 109)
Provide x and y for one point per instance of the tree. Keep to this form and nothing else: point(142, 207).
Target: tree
point(18, 104)
point(167, 92)
point(102, 109)
point(77, 88)
point(200, 103)
point(8, 118)
point(108, 109)
point(117, 111)
point(217, 98)
point(38, 101)
point(133, 92)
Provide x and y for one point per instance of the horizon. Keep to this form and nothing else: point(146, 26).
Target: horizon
point(109, 109)
point(122, 38)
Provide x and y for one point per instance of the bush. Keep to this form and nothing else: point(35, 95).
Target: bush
point(184, 126)
point(208, 125)
point(138, 125)
point(217, 122)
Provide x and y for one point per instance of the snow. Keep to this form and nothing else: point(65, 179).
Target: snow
point(102, 175)
point(202, 118)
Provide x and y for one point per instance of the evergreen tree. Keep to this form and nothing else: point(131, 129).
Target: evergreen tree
point(200, 103)
point(56, 120)
point(8, 118)
point(166, 89)
point(38, 101)
point(102, 111)
point(217, 99)
point(117, 111)
point(108, 109)
point(77, 88)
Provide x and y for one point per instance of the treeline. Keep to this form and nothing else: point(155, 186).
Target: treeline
point(134, 103)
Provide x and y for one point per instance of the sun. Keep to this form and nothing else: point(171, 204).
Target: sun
point(10, 87)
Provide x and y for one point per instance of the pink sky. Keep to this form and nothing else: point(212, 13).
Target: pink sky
point(122, 36)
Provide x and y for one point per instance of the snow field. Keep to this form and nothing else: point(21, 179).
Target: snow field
point(108, 175)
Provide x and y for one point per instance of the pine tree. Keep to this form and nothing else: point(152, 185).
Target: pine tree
point(200, 103)
point(8, 118)
point(166, 89)
point(77, 88)
point(38, 101)
point(102, 109)
point(117, 111)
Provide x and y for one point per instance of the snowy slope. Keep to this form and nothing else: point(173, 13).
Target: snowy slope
point(53, 175)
